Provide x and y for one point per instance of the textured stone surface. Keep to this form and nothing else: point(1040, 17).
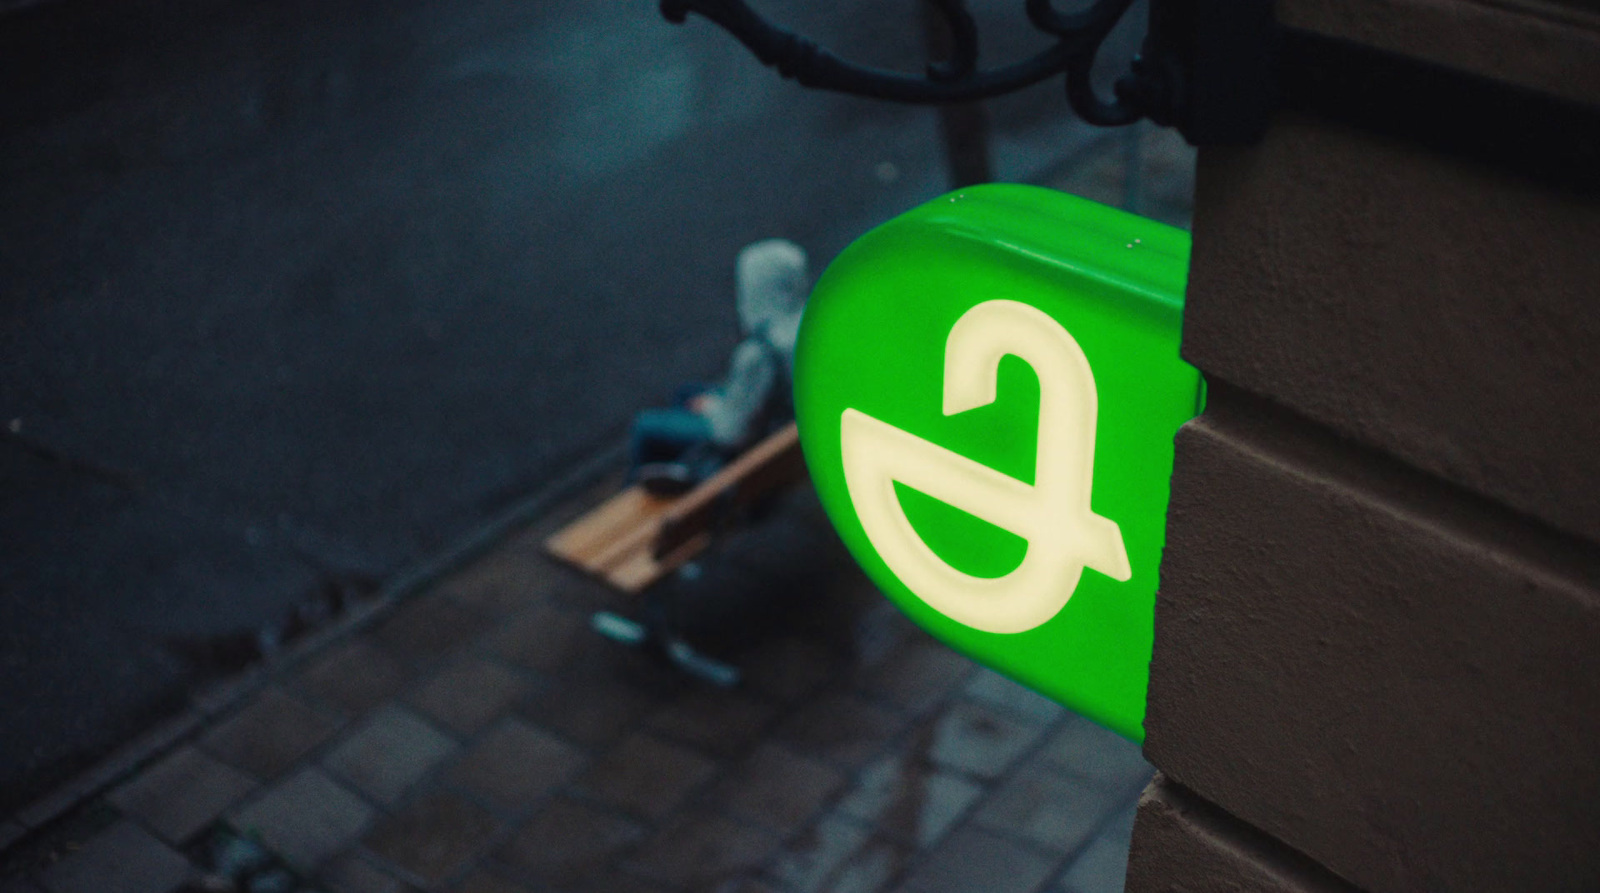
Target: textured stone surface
point(790, 668)
point(976, 861)
point(722, 723)
point(269, 734)
point(434, 837)
point(842, 728)
point(1097, 755)
point(507, 580)
point(1424, 306)
point(181, 794)
point(388, 753)
point(909, 801)
point(700, 850)
point(483, 882)
point(428, 627)
point(979, 740)
point(813, 857)
point(917, 674)
point(1380, 592)
point(997, 691)
point(591, 710)
point(619, 881)
point(356, 676)
point(1103, 866)
point(1557, 45)
point(1343, 643)
point(778, 789)
point(1182, 843)
point(120, 859)
point(572, 842)
point(1054, 812)
point(466, 696)
point(648, 776)
point(352, 873)
point(871, 868)
point(306, 818)
point(515, 764)
point(542, 638)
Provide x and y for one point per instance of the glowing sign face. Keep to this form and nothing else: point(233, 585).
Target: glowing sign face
point(1064, 536)
point(987, 388)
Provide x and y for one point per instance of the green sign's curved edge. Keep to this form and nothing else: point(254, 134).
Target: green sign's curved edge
point(936, 355)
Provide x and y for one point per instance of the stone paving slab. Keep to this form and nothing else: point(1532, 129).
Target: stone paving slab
point(1045, 809)
point(979, 740)
point(816, 856)
point(976, 861)
point(387, 753)
point(698, 850)
point(514, 765)
point(1099, 757)
point(842, 728)
point(1102, 867)
point(434, 838)
point(269, 734)
point(182, 794)
point(306, 818)
point(466, 696)
point(122, 859)
point(778, 789)
point(352, 873)
point(354, 676)
point(722, 723)
point(571, 841)
point(905, 799)
point(481, 738)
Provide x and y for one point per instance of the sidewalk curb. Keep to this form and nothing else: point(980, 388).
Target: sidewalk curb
point(210, 702)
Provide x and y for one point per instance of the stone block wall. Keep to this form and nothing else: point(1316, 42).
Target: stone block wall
point(1377, 654)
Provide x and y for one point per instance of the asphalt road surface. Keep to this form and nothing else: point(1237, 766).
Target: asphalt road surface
point(296, 294)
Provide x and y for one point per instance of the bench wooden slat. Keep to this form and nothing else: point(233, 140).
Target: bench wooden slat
point(770, 464)
point(608, 534)
point(634, 539)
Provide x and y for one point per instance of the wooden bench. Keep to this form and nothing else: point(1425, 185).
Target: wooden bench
point(634, 538)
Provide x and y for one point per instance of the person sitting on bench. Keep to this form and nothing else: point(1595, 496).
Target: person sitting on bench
point(672, 449)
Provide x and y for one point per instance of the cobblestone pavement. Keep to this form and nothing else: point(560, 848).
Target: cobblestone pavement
point(481, 739)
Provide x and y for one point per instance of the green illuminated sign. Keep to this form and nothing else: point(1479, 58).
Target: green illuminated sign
point(987, 388)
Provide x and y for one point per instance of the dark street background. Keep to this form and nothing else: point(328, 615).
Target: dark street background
point(295, 294)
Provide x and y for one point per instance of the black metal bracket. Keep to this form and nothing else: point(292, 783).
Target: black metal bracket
point(1217, 70)
point(1204, 67)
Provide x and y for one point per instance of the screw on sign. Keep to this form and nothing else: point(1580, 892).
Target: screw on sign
point(987, 389)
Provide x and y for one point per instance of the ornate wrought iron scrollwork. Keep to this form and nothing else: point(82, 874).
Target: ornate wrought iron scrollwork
point(1216, 70)
point(1145, 92)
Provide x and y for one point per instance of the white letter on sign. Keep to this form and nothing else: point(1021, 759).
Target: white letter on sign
point(1064, 536)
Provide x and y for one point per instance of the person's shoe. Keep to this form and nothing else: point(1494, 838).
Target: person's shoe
point(618, 628)
point(701, 666)
point(666, 478)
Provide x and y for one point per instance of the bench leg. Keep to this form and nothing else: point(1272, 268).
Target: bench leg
point(652, 631)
